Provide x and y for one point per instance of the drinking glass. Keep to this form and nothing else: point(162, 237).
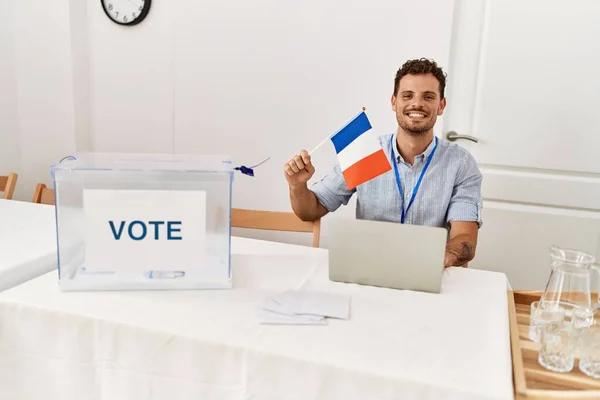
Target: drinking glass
point(542, 314)
point(589, 353)
point(557, 346)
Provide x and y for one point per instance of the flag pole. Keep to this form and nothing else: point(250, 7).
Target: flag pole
point(319, 145)
point(330, 136)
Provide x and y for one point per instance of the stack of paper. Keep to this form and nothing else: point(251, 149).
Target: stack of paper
point(303, 308)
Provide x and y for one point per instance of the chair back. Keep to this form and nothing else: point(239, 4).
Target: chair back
point(43, 195)
point(8, 184)
point(275, 221)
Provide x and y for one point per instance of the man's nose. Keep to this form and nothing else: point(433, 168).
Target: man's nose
point(416, 103)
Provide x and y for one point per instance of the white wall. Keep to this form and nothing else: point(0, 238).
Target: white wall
point(36, 121)
point(10, 155)
point(252, 79)
point(131, 80)
point(248, 79)
point(80, 67)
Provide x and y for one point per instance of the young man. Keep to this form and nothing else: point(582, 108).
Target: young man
point(449, 193)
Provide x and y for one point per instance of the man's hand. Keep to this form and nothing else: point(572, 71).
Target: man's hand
point(460, 248)
point(299, 169)
point(298, 172)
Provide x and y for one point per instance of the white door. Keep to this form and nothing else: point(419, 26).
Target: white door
point(524, 80)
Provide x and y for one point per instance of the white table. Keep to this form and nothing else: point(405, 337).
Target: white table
point(181, 345)
point(27, 241)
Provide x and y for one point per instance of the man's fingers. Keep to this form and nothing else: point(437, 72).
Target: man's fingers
point(288, 170)
point(293, 166)
point(305, 157)
point(299, 162)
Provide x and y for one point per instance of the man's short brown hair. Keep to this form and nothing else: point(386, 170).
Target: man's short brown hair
point(419, 67)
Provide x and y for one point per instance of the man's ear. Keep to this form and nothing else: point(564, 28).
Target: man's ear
point(393, 100)
point(442, 106)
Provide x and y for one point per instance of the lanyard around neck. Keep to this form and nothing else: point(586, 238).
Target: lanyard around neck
point(398, 183)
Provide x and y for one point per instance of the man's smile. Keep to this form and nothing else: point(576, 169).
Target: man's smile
point(416, 115)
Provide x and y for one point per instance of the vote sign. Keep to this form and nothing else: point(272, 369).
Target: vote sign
point(144, 230)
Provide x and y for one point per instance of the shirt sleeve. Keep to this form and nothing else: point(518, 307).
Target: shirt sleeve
point(331, 190)
point(466, 201)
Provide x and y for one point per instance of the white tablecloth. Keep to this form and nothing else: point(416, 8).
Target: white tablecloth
point(27, 242)
point(181, 345)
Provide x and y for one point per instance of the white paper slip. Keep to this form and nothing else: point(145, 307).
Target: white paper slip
point(285, 303)
point(311, 303)
point(272, 318)
point(276, 307)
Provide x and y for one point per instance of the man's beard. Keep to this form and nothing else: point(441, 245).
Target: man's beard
point(414, 131)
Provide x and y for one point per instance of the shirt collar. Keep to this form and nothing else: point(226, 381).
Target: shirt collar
point(425, 155)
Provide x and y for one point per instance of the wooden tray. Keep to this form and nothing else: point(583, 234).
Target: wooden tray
point(531, 380)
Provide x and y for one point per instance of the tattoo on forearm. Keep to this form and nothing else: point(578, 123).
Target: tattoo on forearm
point(463, 252)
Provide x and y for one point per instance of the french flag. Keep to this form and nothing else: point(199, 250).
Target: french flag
point(361, 156)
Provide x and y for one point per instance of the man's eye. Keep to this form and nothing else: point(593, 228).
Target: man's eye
point(406, 96)
point(429, 97)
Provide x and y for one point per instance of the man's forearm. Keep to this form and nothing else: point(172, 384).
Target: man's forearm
point(459, 250)
point(305, 203)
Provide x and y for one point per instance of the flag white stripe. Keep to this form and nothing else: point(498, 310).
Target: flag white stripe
point(363, 146)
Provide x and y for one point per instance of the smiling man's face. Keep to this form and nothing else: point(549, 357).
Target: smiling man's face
point(418, 103)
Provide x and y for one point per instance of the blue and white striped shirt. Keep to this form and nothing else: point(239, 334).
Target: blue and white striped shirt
point(450, 189)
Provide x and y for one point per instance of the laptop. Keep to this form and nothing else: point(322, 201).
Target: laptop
point(386, 254)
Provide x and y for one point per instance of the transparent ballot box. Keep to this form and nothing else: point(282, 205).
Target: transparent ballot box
point(143, 221)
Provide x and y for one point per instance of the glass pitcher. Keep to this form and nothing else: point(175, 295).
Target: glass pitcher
point(570, 283)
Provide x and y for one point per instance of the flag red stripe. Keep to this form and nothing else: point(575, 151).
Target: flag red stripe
point(366, 169)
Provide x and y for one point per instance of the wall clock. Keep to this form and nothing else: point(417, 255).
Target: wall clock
point(126, 12)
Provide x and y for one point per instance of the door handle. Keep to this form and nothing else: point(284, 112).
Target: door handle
point(452, 136)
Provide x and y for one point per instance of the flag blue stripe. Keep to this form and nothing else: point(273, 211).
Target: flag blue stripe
point(350, 132)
